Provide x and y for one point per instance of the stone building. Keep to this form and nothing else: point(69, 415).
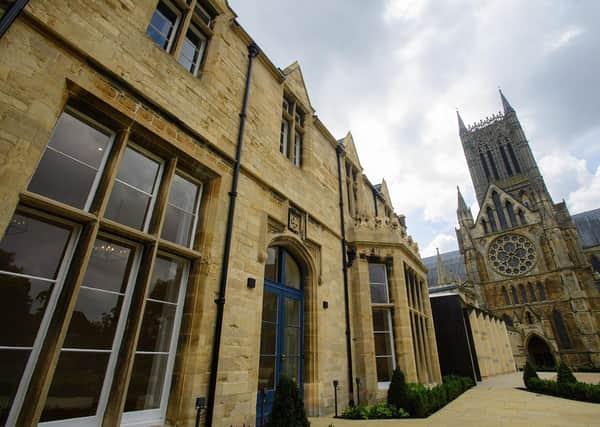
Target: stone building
point(523, 250)
point(178, 228)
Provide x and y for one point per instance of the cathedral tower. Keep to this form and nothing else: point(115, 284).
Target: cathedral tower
point(523, 249)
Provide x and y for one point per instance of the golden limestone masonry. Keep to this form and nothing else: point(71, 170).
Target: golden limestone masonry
point(179, 229)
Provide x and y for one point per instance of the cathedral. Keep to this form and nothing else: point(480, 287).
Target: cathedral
point(526, 259)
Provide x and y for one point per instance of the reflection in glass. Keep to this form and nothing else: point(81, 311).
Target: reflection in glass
point(266, 373)
point(108, 266)
point(271, 264)
point(182, 211)
point(292, 312)
point(147, 382)
point(292, 272)
point(134, 188)
point(157, 335)
point(71, 161)
point(289, 368)
point(377, 273)
point(269, 310)
point(385, 367)
point(291, 342)
point(268, 338)
point(12, 365)
point(192, 50)
point(76, 387)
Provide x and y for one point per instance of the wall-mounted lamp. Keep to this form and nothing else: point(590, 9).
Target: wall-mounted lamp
point(357, 391)
point(325, 305)
point(200, 406)
point(251, 283)
point(336, 383)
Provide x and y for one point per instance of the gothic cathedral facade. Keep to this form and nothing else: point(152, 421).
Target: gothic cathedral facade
point(522, 250)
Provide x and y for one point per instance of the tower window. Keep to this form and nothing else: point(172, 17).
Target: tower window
point(493, 164)
point(484, 224)
point(485, 166)
point(513, 158)
point(511, 213)
point(490, 214)
point(499, 210)
point(506, 162)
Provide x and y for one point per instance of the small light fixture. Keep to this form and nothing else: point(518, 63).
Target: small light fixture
point(200, 406)
point(325, 305)
point(251, 283)
point(336, 383)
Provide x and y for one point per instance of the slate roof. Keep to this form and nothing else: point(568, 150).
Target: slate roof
point(588, 227)
point(453, 264)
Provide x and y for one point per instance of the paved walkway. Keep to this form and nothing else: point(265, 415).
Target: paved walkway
point(497, 402)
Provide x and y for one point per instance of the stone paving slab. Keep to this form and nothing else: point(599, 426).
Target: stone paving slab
point(497, 402)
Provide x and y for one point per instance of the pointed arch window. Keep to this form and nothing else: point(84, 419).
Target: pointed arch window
point(506, 318)
point(561, 329)
point(541, 291)
point(484, 224)
point(515, 296)
point(485, 166)
point(499, 210)
point(505, 296)
point(509, 170)
point(522, 217)
point(523, 293)
point(531, 293)
point(511, 213)
point(529, 318)
point(493, 165)
point(490, 214)
point(513, 158)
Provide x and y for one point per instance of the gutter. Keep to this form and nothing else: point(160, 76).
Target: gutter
point(253, 51)
point(10, 15)
point(339, 149)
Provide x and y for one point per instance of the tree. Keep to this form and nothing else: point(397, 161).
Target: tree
point(288, 407)
point(564, 375)
point(398, 391)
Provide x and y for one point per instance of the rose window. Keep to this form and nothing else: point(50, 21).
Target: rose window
point(512, 255)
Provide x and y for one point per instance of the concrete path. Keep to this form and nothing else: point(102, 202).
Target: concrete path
point(497, 402)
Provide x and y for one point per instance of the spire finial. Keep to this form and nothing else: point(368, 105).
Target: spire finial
point(462, 206)
point(505, 105)
point(461, 125)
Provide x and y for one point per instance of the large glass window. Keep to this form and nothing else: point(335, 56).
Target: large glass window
point(192, 50)
point(158, 340)
point(378, 284)
point(385, 357)
point(102, 281)
point(71, 165)
point(32, 267)
point(182, 211)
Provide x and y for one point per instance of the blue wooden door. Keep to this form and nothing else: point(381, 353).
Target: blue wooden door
point(281, 329)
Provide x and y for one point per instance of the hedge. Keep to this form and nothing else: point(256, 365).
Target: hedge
point(565, 387)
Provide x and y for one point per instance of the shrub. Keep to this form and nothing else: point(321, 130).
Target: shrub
point(356, 413)
point(380, 410)
point(398, 391)
point(576, 391)
point(564, 375)
point(288, 408)
point(528, 374)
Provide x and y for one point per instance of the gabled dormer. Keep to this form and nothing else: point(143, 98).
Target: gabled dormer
point(500, 211)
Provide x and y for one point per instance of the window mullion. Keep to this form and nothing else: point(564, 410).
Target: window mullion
point(124, 365)
point(110, 173)
point(162, 198)
point(183, 29)
point(43, 373)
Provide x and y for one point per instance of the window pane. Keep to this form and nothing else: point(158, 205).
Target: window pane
point(147, 382)
point(269, 309)
point(380, 320)
point(177, 227)
point(383, 344)
point(62, 178)
point(157, 327)
point(379, 293)
point(289, 368)
point(291, 343)
point(166, 279)
point(385, 367)
point(127, 206)
point(76, 386)
point(12, 365)
point(22, 306)
point(138, 170)
point(33, 247)
point(94, 320)
point(271, 266)
point(184, 194)
point(268, 339)
point(108, 266)
point(266, 373)
point(377, 273)
point(292, 272)
point(292, 312)
point(163, 25)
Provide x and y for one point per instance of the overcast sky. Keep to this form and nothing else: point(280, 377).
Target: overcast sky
point(394, 71)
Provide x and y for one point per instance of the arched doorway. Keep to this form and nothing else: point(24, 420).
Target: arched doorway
point(539, 353)
point(281, 338)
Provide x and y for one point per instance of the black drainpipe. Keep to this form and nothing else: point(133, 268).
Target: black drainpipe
point(340, 150)
point(10, 15)
point(253, 51)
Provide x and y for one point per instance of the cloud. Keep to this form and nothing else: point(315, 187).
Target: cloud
point(444, 242)
point(586, 197)
point(393, 72)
